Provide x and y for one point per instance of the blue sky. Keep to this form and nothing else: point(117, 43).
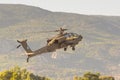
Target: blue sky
point(90, 7)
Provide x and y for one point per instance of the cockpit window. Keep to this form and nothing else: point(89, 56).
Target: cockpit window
point(68, 35)
point(76, 35)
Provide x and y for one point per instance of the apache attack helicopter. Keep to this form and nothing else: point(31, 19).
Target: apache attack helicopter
point(61, 40)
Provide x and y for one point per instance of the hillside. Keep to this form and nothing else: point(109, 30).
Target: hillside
point(99, 51)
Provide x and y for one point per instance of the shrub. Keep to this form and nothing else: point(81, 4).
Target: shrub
point(19, 74)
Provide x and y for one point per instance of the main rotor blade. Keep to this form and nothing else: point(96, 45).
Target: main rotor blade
point(60, 30)
point(49, 31)
point(44, 31)
point(53, 31)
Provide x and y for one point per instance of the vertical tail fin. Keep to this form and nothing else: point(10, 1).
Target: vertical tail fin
point(24, 45)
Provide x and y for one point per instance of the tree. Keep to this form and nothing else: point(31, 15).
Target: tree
point(93, 76)
point(106, 78)
point(17, 73)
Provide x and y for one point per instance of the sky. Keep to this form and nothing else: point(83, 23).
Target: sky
point(89, 7)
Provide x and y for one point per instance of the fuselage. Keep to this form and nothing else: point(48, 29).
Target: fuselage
point(57, 42)
point(64, 40)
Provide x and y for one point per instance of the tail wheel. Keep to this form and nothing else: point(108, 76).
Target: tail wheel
point(28, 59)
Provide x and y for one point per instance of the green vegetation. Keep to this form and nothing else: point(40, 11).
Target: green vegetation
point(17, 73)
point(93, 76)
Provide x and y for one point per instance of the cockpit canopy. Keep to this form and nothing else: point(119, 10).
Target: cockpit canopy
point(71, 35)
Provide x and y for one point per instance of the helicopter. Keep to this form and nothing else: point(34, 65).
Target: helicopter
point(61, 40)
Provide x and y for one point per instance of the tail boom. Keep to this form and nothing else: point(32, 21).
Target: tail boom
point(31, 53)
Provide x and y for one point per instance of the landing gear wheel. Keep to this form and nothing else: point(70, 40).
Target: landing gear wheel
point(73, 48)
point(65, 49)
